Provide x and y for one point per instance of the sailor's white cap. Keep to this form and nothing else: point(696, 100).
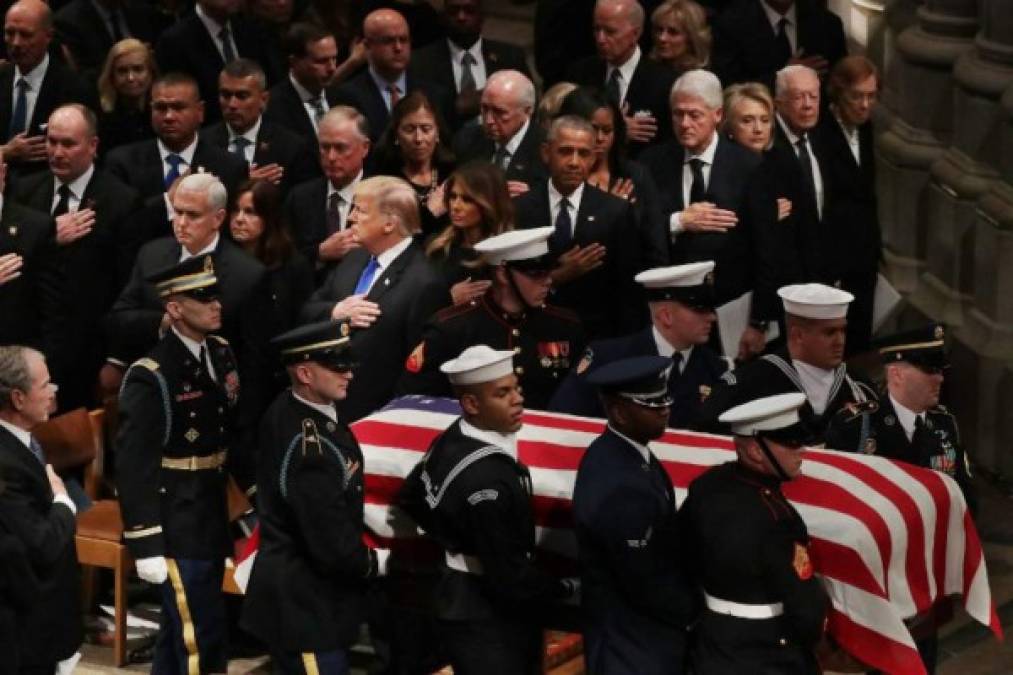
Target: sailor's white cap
point(478, 364)
point(815, 301)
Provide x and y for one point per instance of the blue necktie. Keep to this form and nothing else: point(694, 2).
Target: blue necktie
point(564, 226)
point(239, 145)
point(173, 173)
point(366, 278)
point(36, 449)
point(20, 117)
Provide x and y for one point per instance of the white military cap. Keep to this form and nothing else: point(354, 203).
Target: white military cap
point(516, 245)
point(478, 364)
point(762, 415)
point(691, 284)
point(815, 301)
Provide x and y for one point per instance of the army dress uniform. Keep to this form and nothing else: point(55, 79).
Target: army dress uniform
point(765, 607)
point(306, 596)
point(544, 340)
point(637, 600)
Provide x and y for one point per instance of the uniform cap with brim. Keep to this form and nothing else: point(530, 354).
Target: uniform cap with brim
point(479, 364)
point(193, 277)
point(691, 285)
point(527, 250)
point(924, 347)
point(325, 342)
point(641, 379)
point(815, 301)
point(774, 417)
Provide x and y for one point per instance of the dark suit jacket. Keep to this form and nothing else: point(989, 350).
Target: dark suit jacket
point(361, 93)
point(285, 108)
point(98, 265)
point(648, 90)
point(32, 304)
point(607, 300)
point(275, 145)
point(84, 32)
point(744, 41)
point(51, 630)
point(471, 143)
point(563, 32)
point(432, 63)
point(733, 169)
point(187, 47)
point(306, 214)
point(408, 292)
point(59, 86)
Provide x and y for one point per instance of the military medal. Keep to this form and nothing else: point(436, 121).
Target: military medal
point(802, 564)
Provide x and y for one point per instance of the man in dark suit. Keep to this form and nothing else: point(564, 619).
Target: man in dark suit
point(272, 152)
point(848, 138)
point(596, 234)
point(32, 85)
point(507, 136)
point(753, 39)
point(681, 301)
point(300, 100)
point(317, 211)
point(385, 286)
point(151, 167)
point(93, 212)
point(35, 508)
point(137, 318)
point(386, 79)
point(201, 43)
point(563, 33)
point(639, 86)
point(464, 61)
point(32, 280)
point(89, 28)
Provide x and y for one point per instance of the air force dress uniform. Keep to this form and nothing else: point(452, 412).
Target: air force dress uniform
point(637, 601)
point(472, 495)
point(695, 369)
point(545, 340)
point(176, 411)
point(766, 609)
point(827, 391)
point(307, 591)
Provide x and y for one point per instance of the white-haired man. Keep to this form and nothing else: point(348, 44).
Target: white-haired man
point(706, 212)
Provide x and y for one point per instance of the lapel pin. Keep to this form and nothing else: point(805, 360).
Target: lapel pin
point(590, 218)
point(13, 230)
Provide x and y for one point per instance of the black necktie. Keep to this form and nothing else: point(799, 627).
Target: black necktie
point(782, 43)
point(239, 146)
point(698, 188)
point(63, 205)
point(334, 213)
point(564, 226)
point(227, 51)
point(467, 75)
point(612, 89)
point(19, 118)
point(501, 157)
point(36, 448)
point(806, 160)
point(676, 363)
point(204, 361)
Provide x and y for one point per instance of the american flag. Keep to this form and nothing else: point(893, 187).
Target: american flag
point(888, 539)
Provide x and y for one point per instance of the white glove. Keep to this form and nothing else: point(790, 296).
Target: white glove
point(153, 570)
point(382, 556)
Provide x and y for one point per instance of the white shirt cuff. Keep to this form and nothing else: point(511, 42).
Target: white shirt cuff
point(675, 223)
point(382, 556)
point(64, 499)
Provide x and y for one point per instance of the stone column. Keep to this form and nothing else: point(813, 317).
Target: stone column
point(920, 84)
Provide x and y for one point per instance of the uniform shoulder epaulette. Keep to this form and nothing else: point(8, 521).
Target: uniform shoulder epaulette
point(853, 411)
point(146, 362)
point(454, 310)
point(562, 313)
point(219, 339)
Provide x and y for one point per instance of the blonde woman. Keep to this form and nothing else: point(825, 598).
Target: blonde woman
point(124, 88)
point(681, 36)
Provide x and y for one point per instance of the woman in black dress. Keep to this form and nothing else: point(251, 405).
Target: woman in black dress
point(124, 88)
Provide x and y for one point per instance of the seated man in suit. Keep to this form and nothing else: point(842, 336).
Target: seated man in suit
point(638, 85)
point(463, 61)
point(138, 317)
point(200, 44)
point(681, 301)
point(753, 39)
point(89, 28)
point(300, 100)
point(507, 136)
point(387, 79)
point(93, 212)
point(706, 178)
point(596, 235)
point(32, 85)
point(317, 210)
point(151, 167)
point(272, 152)
point(35, 508)
point(385, 286)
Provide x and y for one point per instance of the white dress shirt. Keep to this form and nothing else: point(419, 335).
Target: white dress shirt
point(207, 250)
point(384, 260)
point(793, 138)
point(625, 75)
point(555, 197)
point(194, 348)
point(790, 28)
point(644, 451)
point(250, 135)
point(506, 442)
point(383, 85)
point(307, 101)
point(26, 439)
point(817, 383)
point(906, 417)
point(477, 68)
point(707, 157)
point(851, 136)
point(34, 77)
point(345, 205)
point(328, 411)
point(515, 142)
point(77, 188)
point(666, 349)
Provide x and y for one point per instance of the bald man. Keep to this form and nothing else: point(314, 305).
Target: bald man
point(92, 210)
point(32, 85)
point(638, 85)
point(507, 135)
point(386, 80)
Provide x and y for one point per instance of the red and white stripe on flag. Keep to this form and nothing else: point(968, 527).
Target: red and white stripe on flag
point(889, 539)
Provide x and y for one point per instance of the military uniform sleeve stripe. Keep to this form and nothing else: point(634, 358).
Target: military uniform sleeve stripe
point(146, 532)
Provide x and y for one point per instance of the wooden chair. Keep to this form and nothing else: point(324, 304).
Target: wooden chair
point(73, 440)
